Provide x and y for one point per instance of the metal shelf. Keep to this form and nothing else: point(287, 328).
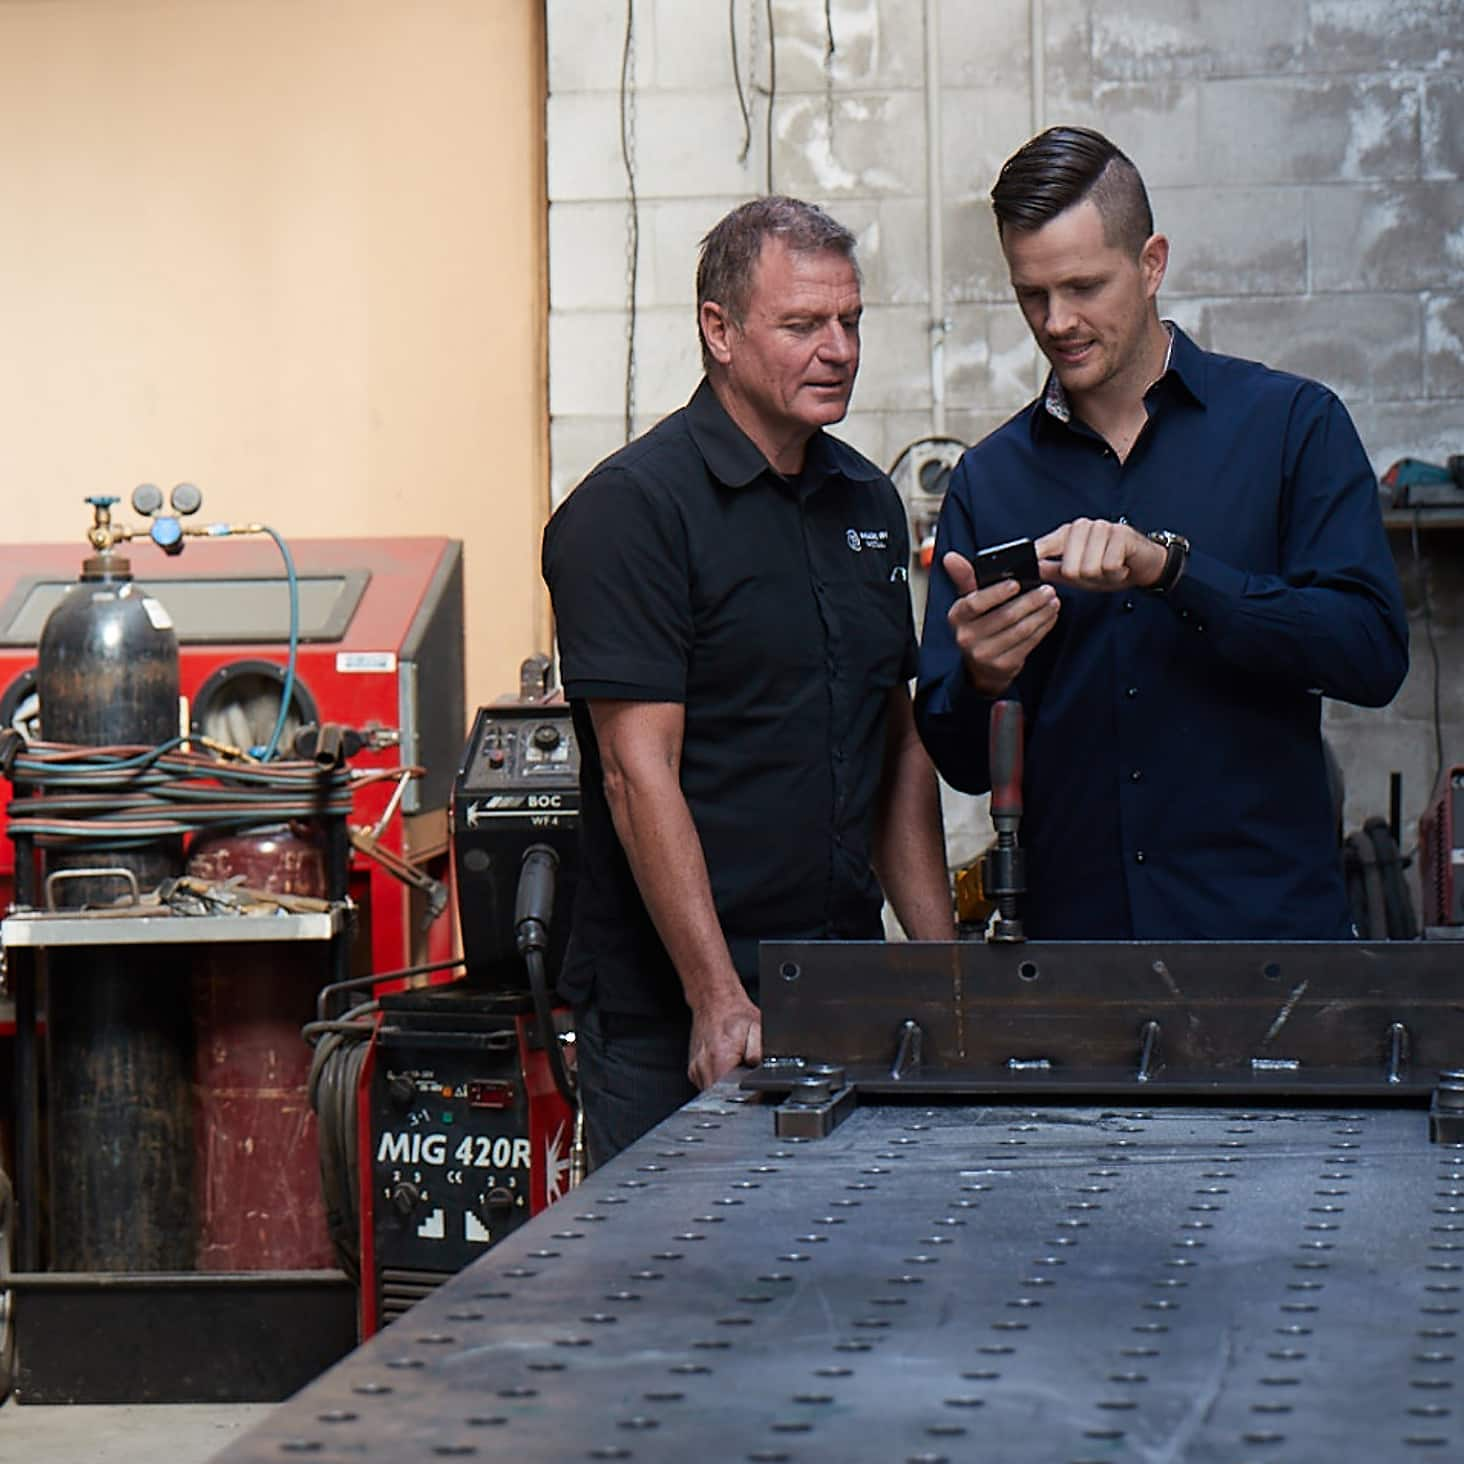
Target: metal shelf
point(40, 930)
point(1403, 519)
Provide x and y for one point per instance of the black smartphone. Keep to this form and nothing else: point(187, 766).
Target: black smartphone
point(1016, 559)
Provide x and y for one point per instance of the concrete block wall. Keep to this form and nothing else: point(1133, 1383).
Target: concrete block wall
point(1306, 158)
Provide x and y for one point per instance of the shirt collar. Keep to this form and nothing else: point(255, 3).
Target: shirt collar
point(1184, 361)
point(733, 458)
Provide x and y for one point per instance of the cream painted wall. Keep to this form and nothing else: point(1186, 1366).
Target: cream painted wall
point(291, 250)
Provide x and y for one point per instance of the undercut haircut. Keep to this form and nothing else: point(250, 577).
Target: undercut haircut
point(1065, 166)
point(729, 253)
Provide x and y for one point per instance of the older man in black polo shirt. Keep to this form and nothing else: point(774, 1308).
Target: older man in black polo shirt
point(732, 599)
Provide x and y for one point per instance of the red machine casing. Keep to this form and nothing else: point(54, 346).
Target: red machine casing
point(1441, 851)
point(402, 1258)
point(381, 647)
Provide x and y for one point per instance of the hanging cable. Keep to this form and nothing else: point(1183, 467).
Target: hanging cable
point(287, 691)
point(746, 147)
point(1421, 567)
point(828, 61)
point(772, 88)
point(632, 221)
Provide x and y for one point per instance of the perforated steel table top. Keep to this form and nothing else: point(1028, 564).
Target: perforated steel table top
point(1055, 1284)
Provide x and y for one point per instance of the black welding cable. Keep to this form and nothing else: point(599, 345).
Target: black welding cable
point(376, 978)
point(533, 913)
point(544, 1014)
point(335, 1075)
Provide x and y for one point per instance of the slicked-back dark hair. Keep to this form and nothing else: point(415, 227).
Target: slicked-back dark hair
point(731, 249)
point(1064, 166)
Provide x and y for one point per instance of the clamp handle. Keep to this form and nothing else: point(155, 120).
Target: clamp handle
point(1006, 758)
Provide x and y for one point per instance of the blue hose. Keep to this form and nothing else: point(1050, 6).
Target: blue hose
point(287, 692)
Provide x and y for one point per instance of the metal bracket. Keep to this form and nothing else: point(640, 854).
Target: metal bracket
point(817, 1096)
point(1446, 1112)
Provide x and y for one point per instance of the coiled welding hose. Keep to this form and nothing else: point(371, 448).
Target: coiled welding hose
point(1377, 892)
point(335, 1075)
point(340, 1046)
point(116, 797)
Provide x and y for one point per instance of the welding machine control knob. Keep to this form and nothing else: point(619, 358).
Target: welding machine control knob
point(547, 736)
point(405, 1197)
point(401, 1090)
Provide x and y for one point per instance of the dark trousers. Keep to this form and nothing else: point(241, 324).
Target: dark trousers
point(632, 1074)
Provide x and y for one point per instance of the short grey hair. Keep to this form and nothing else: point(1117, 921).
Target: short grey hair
point(731, 250)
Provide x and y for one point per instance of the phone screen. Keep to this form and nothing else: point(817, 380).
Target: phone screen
point(1016, 559)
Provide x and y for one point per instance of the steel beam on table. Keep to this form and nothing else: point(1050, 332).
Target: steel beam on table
point(1050, 1283)
point(1118, 1017)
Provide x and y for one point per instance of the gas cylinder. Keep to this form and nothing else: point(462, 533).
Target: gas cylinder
point(118, 1032)
point(257, 1161)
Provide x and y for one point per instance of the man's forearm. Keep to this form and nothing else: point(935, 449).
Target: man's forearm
point(665, 855)
point(640, 751)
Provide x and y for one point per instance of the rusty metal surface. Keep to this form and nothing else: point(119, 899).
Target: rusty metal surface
point(1243, 1019)
point(1058, 1283)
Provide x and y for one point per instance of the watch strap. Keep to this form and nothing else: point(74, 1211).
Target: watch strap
point(1176, 555)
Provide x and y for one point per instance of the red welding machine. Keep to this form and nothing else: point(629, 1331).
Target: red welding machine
point(465, 1120)
point(381, 647)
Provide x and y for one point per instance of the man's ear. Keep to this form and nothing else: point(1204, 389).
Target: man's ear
point(1153, 261)
point(717, 328)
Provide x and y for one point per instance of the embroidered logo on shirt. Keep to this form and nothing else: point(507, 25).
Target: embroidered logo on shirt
point(861, 539)
point(899, 575)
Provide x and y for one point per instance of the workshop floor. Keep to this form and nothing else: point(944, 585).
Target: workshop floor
point(185, 1433)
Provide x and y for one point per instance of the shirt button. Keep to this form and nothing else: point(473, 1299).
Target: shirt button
point(1128, 604)
point(1122, 518)
point(1132, 692)
point(1136, 776)
point(1139, 856)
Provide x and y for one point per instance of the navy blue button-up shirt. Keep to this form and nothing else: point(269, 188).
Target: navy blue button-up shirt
point(1175, 786)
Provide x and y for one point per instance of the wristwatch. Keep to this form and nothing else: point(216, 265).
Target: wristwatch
point(1176, 551)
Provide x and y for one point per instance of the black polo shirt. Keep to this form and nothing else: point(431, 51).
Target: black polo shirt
point(777, 611)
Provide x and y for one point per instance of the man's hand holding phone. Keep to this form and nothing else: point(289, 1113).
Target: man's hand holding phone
point(1001, 613)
